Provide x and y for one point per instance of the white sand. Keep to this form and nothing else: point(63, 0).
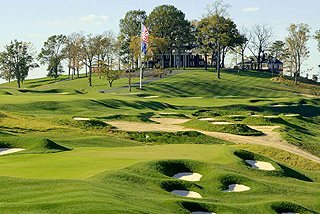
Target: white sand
point(150, 97)
point(279, 105)
point(4, 151)
point(186, 193)
point(256, 115)
point(206, 119)
point(260, 165)
point(236, 188)
point(271, 116)
point(65, 93)
point(80, 118)
point(188, 176)
point(291, 115)
point(201, 212)
point(221, 123)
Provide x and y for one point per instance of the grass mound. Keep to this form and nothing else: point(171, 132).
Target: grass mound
point(181, 137)
point(172, 167)
point(238, 129)
point(197, 207)
point(132, 118)
point(173, 115)
point(51, 91)
point(280, 170)
point(4, 93)
point(171, 185)
point(288, 207)
point(260, 121)
point(86, 124)
point(32, 145)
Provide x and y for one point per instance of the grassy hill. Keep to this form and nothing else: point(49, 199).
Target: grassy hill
point(88, 166)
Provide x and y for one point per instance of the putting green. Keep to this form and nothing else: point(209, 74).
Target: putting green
point(86, 162)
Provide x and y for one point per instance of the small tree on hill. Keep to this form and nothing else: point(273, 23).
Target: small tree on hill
point(109, 74)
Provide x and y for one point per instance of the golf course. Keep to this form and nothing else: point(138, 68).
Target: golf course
point(186, 143)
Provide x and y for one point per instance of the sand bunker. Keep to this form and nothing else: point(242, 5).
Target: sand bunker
point(80, 118)
point(260, 165)
point(201, 212)
point(280, 105)
point(272, 116)
point(186, 193)
point(4, 151)
point(256, 115)
point(236, 188)
point(64, 93)
point(150, 97)
point(221, 123)
point(291, 115)
point(206, 119)
point(188, 176)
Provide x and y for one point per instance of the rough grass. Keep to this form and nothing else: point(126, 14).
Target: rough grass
point(182, 137)
point(238, 129)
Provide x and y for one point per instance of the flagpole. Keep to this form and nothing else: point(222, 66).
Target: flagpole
point(141, 57)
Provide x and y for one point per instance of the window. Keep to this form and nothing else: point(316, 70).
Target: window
point(191, 63)
point(192, 56)
point(201, 63)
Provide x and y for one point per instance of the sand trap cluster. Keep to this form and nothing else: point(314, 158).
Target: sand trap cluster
point(4, 151)
point(201, 212)
point(221, 123)
point(80, 118)
point(186, 193)
point(150, 97)
point(188, 176)
point(236, 188)
point(206, 119)
point(260, 165)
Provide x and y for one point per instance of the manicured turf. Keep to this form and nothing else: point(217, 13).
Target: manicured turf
point(89, 167)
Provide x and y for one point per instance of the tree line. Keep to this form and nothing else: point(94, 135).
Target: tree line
point(215, 35)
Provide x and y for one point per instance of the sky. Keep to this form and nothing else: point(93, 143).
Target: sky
point(36, 20)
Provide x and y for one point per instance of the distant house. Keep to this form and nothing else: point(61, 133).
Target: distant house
point(268, 62)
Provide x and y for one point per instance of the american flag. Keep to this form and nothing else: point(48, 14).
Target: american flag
point(144, 34)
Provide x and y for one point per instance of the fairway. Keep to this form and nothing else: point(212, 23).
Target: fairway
point(87, 162)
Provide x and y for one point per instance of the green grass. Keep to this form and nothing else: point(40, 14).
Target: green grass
point(87, 167)
point(182, 137)
point(239, 129)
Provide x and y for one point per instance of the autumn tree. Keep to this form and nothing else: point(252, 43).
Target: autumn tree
point(52, 54)
point(296, 45)
point(16, 61)
point(260, 41)
point(130, 26)
point(109, 74)
point(73, 53)
point(158, 47)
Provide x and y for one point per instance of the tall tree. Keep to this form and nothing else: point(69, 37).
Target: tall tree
point(52, 54)
point(89, 45)
point(317, 37)
point(17, 60)
point(73, 53)
point(296, 44)
point(277, 49)
point(130, 26)
point(167, 22)
point(260, 41)
point(158, 46)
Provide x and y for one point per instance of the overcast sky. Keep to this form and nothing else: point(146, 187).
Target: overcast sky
point(36, 20)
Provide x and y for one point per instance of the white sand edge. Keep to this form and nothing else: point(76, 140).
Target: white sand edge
point(149, 97)
point(4, 151)
point(206, 119)
point(80, 118)
point(201, 212)
point(237, 188)
point(260, 165)
point(186, 193)
point(188, 176)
